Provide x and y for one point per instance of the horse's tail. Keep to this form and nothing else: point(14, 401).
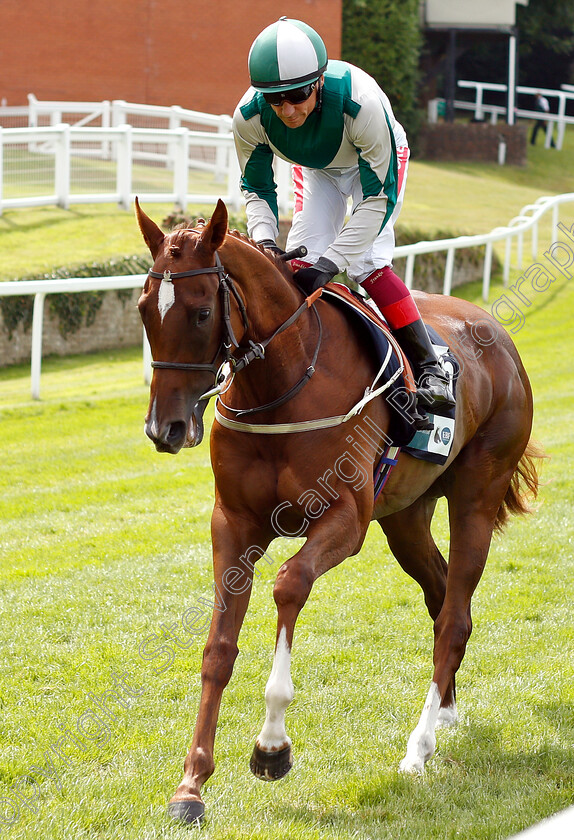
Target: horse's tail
point(523, 488)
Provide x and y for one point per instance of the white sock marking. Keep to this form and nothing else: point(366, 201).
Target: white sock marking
point(447, 716)
point(278, 694)
point(422, 742)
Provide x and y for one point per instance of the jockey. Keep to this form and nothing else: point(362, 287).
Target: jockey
point(336, 126)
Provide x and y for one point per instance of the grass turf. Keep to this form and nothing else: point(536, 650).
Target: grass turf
point(104, 542)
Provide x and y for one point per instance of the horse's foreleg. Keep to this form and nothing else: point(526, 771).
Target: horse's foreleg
point(334, 538)
point(234, 545)
point(272, 757)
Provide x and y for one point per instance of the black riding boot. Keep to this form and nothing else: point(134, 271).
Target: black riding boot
point(433, 387)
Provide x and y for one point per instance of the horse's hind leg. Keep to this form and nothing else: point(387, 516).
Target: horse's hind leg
point(476, 489)
point(410, 540)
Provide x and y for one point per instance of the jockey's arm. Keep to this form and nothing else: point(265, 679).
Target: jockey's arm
point(371, 135)
point(257, 181)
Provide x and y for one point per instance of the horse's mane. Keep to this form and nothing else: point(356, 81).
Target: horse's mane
point(279, 264)
point(198, 223)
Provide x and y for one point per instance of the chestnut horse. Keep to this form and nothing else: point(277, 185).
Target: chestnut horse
point(300, 466)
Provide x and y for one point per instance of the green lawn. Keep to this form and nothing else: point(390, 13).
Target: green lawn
point(103, 542)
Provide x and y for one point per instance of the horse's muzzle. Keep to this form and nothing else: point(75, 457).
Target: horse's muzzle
point(171, 436)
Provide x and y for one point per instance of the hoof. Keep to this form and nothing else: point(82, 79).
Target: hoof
point(412, 766)
point(271, 765)
point(187, 810)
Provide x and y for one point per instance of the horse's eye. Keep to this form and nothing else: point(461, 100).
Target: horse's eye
point(203, 315)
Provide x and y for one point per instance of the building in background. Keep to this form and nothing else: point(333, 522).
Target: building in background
point(174, 52)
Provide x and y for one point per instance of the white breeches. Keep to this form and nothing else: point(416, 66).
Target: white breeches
point(321, 206)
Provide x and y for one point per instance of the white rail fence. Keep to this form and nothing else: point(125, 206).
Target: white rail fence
point(558, 99)
point(68, 153)
point(526, 221)
point(55, 158)
point(162, 154)
point(41, 288)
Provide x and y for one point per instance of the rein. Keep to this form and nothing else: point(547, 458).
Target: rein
point(258, 352)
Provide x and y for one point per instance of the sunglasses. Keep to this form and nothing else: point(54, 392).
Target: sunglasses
point(295, 97)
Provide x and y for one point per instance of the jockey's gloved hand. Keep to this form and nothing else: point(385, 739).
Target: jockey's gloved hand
point(312, 278)
point(271, 246)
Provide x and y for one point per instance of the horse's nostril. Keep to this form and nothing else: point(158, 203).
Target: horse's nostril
point(177, 432)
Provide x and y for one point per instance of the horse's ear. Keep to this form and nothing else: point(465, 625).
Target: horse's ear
point(215, 232)
point(152, 235)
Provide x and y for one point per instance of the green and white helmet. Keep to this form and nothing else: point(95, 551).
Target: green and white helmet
point(286, 55)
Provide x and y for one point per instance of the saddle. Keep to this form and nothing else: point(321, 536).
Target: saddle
point(361, 306)
point(432, 445)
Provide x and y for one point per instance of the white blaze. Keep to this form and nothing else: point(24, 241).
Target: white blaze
point(165, 296)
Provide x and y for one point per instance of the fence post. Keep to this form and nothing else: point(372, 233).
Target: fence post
point(549, 134)
point(124, 166)
point(561, 125)
point(409, 271)
point(32, 111)
point(223, 127)
point(106, 122)
point(118, 109)
point(180, 167)
point(519, 248)
point(507, 257)
point(448, 272)
point(486, 272)
point(118, 118)
point(478, 113)
point(37, 326)
point(555, 212)
point(174, 117)
point(62, 160)
point(234, 180)
point(1, 169)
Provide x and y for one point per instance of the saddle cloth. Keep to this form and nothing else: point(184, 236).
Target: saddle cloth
point(430, 445)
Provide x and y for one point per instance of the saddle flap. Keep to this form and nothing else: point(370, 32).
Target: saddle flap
point(362, 308)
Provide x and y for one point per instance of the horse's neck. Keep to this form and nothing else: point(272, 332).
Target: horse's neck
point(269, 298)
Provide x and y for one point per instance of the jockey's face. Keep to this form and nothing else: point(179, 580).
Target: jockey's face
point(293, 116)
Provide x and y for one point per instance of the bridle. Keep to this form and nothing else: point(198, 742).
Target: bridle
point(228, 341)
point(226, 288)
